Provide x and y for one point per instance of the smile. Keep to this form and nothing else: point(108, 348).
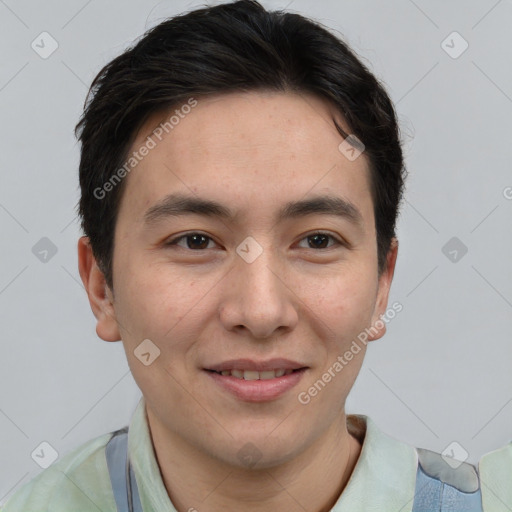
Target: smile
point(256, 381)
point(255, 375)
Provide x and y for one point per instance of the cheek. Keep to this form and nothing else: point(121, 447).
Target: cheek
point(163, 308)
point(344, 303)
point(163, 305)
point(150, 292)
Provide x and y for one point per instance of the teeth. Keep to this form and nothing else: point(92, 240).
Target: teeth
point(254, 375)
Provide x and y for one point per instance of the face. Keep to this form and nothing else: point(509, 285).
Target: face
point(254, 286)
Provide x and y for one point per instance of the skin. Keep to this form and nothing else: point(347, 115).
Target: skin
point(252, 152)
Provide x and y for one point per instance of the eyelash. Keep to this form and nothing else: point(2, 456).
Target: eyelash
point(175, 241)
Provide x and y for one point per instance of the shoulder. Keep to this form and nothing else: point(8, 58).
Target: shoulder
point(498, 459)
point(496, 476)
point(78, 481)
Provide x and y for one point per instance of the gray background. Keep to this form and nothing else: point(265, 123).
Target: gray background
point(443, 371)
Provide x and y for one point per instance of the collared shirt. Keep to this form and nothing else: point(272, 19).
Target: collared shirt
point(495, 470)
point(383, 479)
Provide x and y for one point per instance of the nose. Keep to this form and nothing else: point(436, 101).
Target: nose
point(259, 297)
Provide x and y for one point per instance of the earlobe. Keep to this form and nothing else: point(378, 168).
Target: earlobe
point(378, 326)
point(100, 297)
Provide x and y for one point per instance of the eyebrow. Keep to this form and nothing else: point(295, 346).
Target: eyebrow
point(175, 205)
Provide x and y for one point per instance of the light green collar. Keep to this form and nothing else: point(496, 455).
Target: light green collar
point(383, 478)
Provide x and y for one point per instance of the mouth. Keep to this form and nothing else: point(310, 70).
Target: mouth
point(252, 381)
point(255, 375)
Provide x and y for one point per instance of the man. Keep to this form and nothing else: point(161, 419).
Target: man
point(241, 174)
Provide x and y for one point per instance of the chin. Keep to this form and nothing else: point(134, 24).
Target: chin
point(261, 451)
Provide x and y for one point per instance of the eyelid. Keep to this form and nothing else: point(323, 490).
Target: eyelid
point(339, 241)
point(176, 239)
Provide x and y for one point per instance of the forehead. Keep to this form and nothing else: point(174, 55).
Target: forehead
point(253, 149)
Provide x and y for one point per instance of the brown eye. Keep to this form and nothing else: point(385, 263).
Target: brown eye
point(321, 240)
point(194, 241)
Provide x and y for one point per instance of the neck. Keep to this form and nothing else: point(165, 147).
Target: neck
point(311, 481)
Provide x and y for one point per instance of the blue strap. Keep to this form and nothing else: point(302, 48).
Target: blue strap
point(122, 477)
point(432, 494)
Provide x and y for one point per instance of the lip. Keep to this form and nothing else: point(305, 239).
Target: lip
point(259, 366)
point(256, 390)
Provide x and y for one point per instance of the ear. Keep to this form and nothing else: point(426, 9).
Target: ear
point(381, 303)
point(100, 295)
